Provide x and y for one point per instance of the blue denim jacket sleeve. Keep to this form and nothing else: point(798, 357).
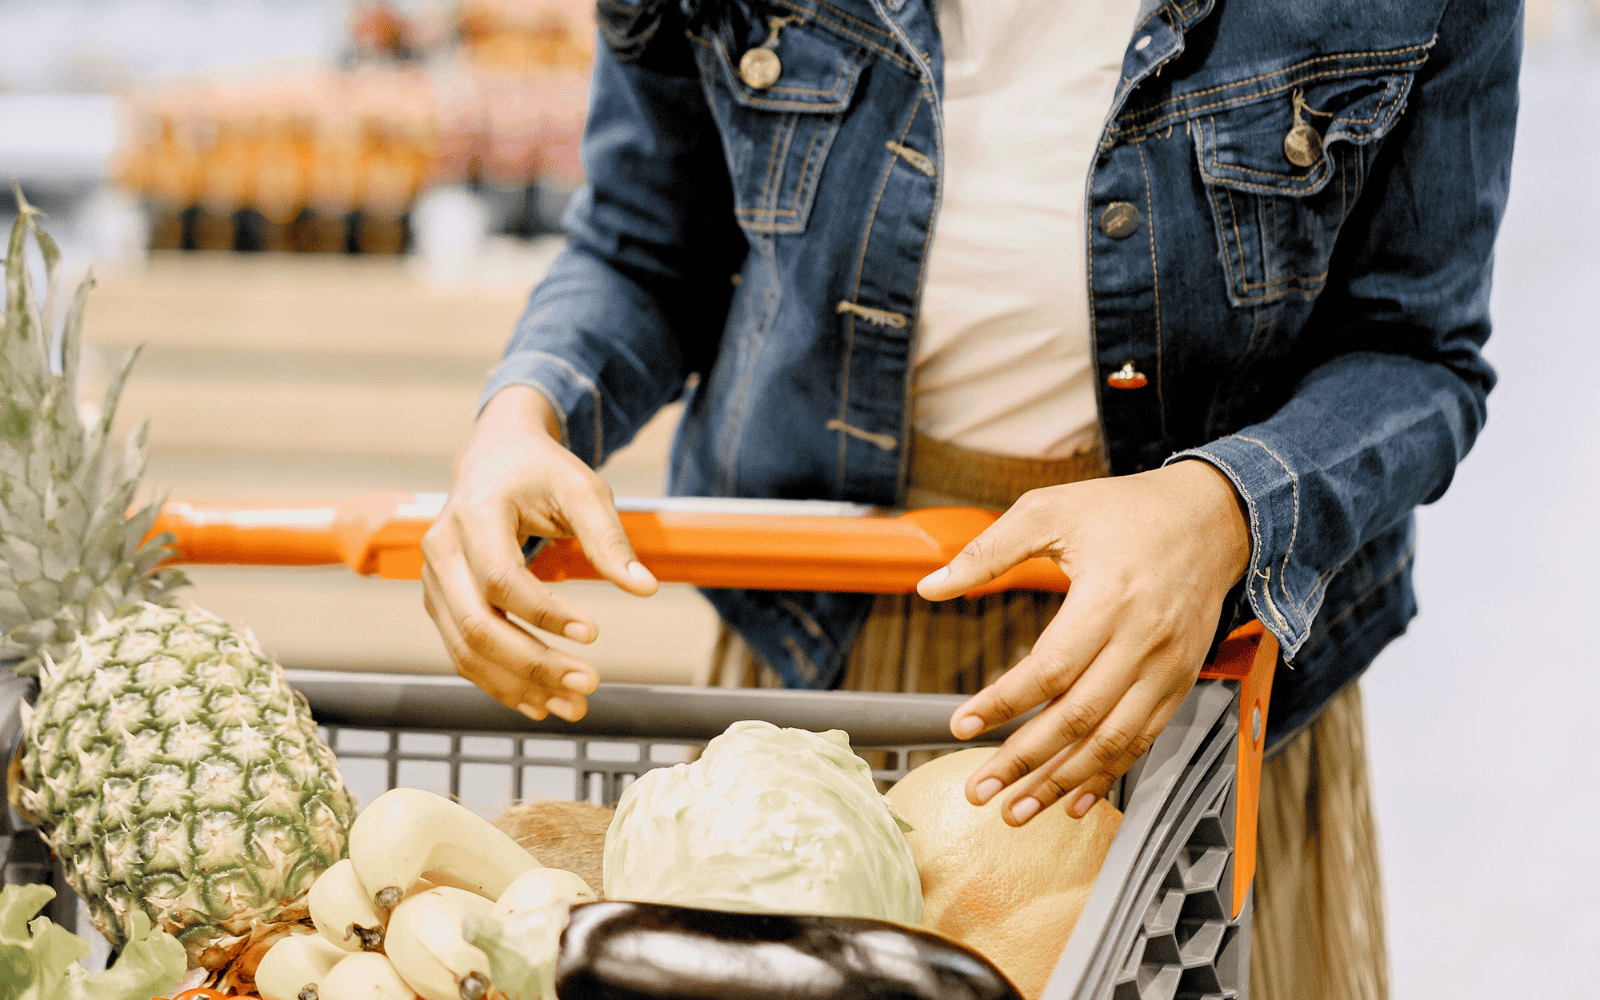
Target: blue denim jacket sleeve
point(1380, 422)
point(635, 302)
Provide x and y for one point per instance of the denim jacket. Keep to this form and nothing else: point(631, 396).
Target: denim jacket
point(1306, 315)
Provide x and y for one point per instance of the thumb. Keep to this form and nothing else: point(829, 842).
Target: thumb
point(599, 532)
point(1005, 543)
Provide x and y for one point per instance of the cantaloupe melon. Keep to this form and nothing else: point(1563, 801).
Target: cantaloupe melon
point(1013, 894)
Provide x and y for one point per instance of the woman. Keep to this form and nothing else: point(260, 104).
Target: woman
point(1262, 315)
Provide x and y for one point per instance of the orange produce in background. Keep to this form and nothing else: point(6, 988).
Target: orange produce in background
point(329, 160)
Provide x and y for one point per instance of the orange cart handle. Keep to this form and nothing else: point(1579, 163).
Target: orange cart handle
point(762, 545)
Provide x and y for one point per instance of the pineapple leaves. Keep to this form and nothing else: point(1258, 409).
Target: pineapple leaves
point(52, 282)
point(70, 553)
point(27, 347)
point(19, 328)
point(108, 409)
point(139, 524)
point(71, 346)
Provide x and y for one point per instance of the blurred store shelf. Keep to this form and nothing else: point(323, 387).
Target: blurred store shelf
point(325, 376)
point(327, 304)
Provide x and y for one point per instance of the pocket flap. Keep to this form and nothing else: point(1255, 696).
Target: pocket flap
point(1243, 147)
point(817, 71)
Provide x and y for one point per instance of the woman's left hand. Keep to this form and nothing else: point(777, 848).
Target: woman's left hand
point(1151, 558)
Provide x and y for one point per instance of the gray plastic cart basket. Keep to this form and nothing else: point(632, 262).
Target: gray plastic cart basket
point(1159, 923)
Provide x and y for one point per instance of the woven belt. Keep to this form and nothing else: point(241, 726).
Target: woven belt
point(947, 475)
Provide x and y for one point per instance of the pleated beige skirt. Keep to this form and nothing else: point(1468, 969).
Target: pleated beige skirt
point(1317, 932)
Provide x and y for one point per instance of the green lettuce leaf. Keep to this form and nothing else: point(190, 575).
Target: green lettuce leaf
point(39, 958)
point(522, 951)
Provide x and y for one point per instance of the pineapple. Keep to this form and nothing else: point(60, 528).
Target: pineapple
point(166, 759)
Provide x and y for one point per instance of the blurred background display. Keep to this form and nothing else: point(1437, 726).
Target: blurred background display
point(310, 126)
point(330, 152)
point(333, 158)
point(321, 220)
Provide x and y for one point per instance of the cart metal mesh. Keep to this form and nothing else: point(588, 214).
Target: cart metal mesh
point(442, 734)
point(489, 771)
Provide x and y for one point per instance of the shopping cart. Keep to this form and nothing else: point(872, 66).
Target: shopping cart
point(1169, 914)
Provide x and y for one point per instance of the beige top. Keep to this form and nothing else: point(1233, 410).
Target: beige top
point(1003, 361)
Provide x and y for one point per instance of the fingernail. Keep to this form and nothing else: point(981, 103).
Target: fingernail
point(562, 707)
point(935, 578)
point(577, 632)
point(967, 727)
point(638, 572)
point(987, 789)
point(533, 713)
point(576, 681)
point(1023, 809)
point(1081, 807)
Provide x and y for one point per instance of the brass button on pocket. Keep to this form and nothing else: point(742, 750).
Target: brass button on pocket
point(1120, 220)
point(1127, 377)
point(760, 68)
point(1302, 146)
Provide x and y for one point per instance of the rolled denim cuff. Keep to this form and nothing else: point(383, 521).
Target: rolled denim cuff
point(572, 394)
point(1272, 505)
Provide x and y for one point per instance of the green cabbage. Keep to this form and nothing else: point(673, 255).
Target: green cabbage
point(768, 820)
point(39, 958)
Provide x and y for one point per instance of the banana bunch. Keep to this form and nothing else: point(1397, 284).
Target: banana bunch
point(389, 917)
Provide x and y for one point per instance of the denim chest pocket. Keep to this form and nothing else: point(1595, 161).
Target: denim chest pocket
point(1282, 173)
point(776, 128)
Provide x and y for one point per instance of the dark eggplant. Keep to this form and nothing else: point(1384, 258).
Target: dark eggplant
point(651, 951)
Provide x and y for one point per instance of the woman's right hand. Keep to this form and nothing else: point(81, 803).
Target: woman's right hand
point(514, 480)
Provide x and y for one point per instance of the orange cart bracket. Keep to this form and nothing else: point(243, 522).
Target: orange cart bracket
point(774, 545)
point(1249, 656)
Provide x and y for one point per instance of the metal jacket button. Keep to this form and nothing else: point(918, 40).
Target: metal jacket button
point(760, 68)
point(1302, 146)
point(1127, 377)
point(1120, 220)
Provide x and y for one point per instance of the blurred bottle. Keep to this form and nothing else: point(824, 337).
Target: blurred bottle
point(461, 126)
point(334, 181)
point(162, 162)
point(227, 166)
point(390, 180)
point(282, 163)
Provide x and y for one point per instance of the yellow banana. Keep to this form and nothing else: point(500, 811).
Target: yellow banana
point(407, 833)
point(427, 947)
point(539, 888)
point(295, 967)
point(343, 911)
point(365, 975)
